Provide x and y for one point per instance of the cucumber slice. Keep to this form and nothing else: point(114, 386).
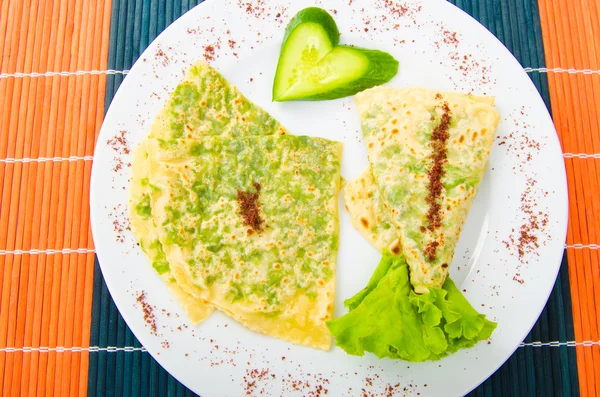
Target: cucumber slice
point(316, 29)
point(312, 66)
point(294, 63)
point(343, 72)
point(315, 15)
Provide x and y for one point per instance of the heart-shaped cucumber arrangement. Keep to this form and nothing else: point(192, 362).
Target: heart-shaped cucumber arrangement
point(313, 66)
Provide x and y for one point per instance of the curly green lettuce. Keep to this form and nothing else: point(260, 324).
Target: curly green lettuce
point(388, 319)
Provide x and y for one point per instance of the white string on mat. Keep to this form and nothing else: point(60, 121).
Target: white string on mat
point(582, 155)
point(46, 159)
point(126, 71)
point(570, 343)
point(91, 349)
point(131, 349)
point(48, 251)
point(562, 70)
point(583, 246)
point(65, 74)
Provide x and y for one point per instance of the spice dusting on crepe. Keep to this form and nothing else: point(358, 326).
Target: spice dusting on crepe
point(439, 138)
point(250, 209)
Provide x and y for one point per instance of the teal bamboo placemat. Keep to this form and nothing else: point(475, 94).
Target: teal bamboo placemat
point(535, 369)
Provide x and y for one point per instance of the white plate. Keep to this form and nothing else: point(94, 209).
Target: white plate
point(431, 40)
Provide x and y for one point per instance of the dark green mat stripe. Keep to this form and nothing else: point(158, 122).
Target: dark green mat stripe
point(134, 24)
point(542, 371)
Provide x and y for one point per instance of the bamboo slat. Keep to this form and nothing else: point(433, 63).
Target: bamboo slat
point(31, 149)
point(571, 36)
point(13, 145)
point(45, 300)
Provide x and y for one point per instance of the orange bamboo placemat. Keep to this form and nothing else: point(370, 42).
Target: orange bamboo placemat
point(571, 32)
point(48, 129)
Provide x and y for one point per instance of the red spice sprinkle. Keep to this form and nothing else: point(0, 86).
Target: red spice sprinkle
point(162, 57)
point(395, 9)
point(250, 209)
point(518, 279)
point(450, 38)
point(525, 239)
point(256, 8)
point(471, 69)
point(399, 10)
point(118, 164)
point(431, 250)
point(392, 390)
point(119, 143)
point(231, 43)
point(252, 377)
point(120, 222)
point(439, 137)
point(209, 52)
point(148, 311)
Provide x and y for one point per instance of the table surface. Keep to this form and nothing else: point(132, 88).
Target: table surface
point(62, 62)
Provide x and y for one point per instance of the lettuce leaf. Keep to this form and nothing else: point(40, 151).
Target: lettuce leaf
point(388, 319)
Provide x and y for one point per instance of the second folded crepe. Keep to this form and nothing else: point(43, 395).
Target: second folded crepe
point(427, 152)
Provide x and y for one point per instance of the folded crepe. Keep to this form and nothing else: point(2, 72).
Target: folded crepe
point(203, 104)
point(427, 151)
point(236, 216)
point(250, 225)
